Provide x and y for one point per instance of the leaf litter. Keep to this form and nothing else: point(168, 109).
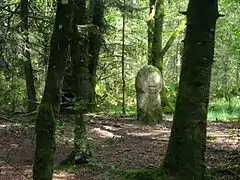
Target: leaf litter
point(118, 143)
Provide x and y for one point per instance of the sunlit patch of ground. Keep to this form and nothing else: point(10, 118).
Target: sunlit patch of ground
point(224, 134)
point(103, 133)
point(64, 176)
point(118, 143)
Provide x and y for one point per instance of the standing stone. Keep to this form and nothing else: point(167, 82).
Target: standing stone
point(148, 86)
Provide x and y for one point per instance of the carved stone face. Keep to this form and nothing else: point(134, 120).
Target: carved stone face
point(149, 80)
point(154, 82)
point(148, 87)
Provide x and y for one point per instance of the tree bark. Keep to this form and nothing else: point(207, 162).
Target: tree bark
point(92, 45)
point(150, 23)
point(237, 75)
point(67, 90)
point(157, 56)
point(80, 84)
point(31, 93)
point(95, 35)
point(49, 107)
point(123, 61)
point(185, 154)
point(156, 53)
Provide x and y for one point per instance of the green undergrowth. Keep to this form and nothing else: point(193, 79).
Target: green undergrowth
point(118, 110)
point(144, 174)
point(219, 109)
point(107, 171)
point(224, 110)
point(110, 172)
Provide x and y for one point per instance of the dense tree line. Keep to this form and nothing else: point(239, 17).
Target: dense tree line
point(71, 61)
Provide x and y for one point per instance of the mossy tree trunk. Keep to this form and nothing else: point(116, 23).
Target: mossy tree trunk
point(81, 84)
point(27, 64)
point(93, 45)
point(156, 51)
point(67, 90)
point(237, 75)
point(95, 39)
point(123, 61)
point(49, 107)
point(150, 23)
point(185, 154)
point(78, 53)
point(157, 56)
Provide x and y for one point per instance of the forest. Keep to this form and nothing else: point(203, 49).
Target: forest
point(117, 89)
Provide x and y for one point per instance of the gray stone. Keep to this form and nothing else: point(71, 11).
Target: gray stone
point(148, 86)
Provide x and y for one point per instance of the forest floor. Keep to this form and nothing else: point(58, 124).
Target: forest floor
point(118, 144)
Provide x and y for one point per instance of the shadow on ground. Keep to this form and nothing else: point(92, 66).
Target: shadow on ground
point(118, 143)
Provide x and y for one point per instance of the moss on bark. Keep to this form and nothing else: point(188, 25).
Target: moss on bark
point(95, 42)
point(49, 107)
point(81, 87)
point(185, 154)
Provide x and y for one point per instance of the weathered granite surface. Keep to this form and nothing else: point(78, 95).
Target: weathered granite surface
point(148, 86)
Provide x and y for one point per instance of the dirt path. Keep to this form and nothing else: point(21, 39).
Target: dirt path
point(118, 144)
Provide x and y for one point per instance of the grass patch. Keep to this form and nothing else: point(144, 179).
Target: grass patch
point(219, 109)
point(144, 174)
point(224, 110)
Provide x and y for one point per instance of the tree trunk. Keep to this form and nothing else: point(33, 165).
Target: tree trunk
point(49, 107)
point(67, 90)
point(150, 23)
point(123, 61)
point(237, 75)
point(185, 154)
point(94, 43)
point(157, 56)
point(95, 35)
point(31, 93)
point(81, 84)
point(155, 34)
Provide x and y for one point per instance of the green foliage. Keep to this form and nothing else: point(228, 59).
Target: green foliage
point(139, 174)
point(224, 110)
point(146, 174)
point(211, 139)
point(13, 95)
point(225, 76)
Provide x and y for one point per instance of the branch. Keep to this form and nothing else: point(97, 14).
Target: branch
point(10, 11)
point(220, 15)
point(7, 8)
point(5, 119)
point(30, 16)
point(183, 12)
point(174, 36)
